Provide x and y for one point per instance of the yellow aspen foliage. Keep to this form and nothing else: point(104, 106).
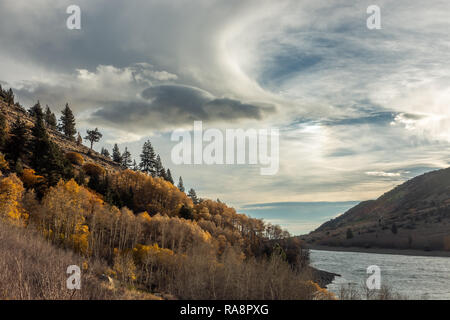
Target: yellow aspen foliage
point(11, 192)
point(318, 293)
point(144, 216)
point(143, 253)
point(64, 213)
point(3, 163)
point(30, 179)
point(80, 239)
point(124, 268)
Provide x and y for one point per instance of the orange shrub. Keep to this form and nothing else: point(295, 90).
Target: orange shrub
point(93, 169)
point(30, 179)
point(75, 158)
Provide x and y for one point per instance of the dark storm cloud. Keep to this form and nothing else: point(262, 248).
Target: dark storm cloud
point(168, 105)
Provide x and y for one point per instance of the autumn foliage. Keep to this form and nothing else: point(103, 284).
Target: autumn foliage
point(31, 179)
point(75, 158)
point(93, 169)
point(218, 254)
point(11, 192)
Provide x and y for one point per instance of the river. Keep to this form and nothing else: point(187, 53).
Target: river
point(411, 276)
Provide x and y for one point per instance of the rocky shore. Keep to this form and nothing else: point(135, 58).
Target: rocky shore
point(323, 278)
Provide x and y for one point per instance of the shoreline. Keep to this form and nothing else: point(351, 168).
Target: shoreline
point(404, 252)
point(323, 278)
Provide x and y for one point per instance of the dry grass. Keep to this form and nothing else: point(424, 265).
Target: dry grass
point(31, 268)
point(354, 292)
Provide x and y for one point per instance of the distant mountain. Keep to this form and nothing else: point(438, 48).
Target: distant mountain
point(414, 215)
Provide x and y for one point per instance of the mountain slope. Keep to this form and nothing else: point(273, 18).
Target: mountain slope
point(12, 112)
point(414, 215)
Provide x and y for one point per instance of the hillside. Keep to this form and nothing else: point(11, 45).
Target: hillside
point(132, 224)
point(14, 111)
point(414, 215)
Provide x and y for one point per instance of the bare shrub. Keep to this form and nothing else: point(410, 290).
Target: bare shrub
point(34, 269)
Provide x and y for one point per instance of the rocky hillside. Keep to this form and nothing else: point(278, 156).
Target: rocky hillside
point(11, 113)
point(414, 215)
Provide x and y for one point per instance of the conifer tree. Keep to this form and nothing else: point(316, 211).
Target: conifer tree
point(159, 168)
point(193, 195)
point(126, 159)
point(105, 152)
point(79, 139)
point(93, 136)
point(18, 140)
point(116, 155)
point(169, 176)
point(36, 110)
point(148, 159)
point(67, 123)
point(49, 118)
point(9, 97)
point(47, 158)
point(3, 133)
point(135, 167)
point(180, 184)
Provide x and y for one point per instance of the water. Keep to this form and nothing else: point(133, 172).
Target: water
point(411, 276)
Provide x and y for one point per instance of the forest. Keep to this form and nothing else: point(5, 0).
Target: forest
point(129, 224)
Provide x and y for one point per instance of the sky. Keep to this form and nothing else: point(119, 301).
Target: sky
point(358, 110)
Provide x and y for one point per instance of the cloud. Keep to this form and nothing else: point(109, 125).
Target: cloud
point(168, 106)
point(383, 174)
point(348, 101)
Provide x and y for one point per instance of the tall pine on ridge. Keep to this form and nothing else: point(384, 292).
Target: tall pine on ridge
point(126, 159)
point(148, 159)
point(67, 123)
point(116, 155)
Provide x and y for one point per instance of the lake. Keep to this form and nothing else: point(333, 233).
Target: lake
point(411, 276)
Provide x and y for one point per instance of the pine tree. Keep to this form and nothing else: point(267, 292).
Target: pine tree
point(169, 176)
point(3, 133)
point(18, 140)
point(193, 195)
point(79, 139)
point(10, 97)
point(159, 168)
point(180, 184)
point(67, 123)
point(105, 152)
point(36, 110)
point(126, 159)
point(135, 167)
point(116, 155)
point(148, 159)
point(49, 118)
point(47, 158)
point(93, 136)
